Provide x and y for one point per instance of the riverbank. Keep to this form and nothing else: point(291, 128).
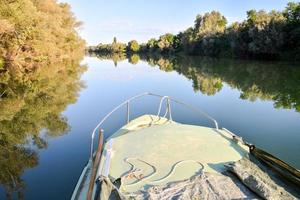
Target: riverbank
point(262, 35)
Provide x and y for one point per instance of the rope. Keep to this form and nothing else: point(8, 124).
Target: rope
point(133, 170)
point(174, 167)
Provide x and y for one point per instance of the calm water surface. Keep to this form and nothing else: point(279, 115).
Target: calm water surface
point(259, 101)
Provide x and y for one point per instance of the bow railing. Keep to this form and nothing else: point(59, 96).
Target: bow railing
point(168, 112)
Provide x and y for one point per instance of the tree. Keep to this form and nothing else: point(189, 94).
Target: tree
point(176, 46)
point(187, 40)
point(117, 47)
point(152, 44)
point(265, 35)
point(133, 46)
point(209, 24)
point(265, 32)
point(292, 13)
point(165, 42)
point(39, 50)
point(30, 33)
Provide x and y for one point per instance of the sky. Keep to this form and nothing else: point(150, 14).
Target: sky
point(145, 19)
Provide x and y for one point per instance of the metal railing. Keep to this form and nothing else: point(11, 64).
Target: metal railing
point(167, 112)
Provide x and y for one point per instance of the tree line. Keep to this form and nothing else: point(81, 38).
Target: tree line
point(35, 32)
point(266, 35)
point(40, 56)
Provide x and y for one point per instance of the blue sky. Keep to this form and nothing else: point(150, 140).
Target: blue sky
point(144, 19)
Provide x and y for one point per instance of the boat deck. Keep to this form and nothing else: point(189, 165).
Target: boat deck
point(152, 150)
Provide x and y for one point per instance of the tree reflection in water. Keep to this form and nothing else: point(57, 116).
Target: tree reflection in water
point(32, 102)
point(274, 81)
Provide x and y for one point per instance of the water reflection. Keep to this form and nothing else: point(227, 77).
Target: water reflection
point(32, 102)
point(273, 81)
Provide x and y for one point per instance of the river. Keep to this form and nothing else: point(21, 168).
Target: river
point(259, 101)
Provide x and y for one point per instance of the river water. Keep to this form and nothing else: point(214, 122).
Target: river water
point(259, 101)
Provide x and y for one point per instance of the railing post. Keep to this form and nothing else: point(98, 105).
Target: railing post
point(95, 164)
point(216, 124)
point(92, 147)
point(159, 107)
point(160, 104)
point(169, 108)
point(128, 110)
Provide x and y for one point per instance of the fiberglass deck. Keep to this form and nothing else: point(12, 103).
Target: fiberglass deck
point(157, 151)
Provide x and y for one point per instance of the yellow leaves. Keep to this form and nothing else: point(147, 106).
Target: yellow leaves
point(134, 59)
point(9, 107)
point(47, 6)
point(44, 31)
point(211, 23)
point(40, 49)
point(6, 27)
point(133, 46)
point(1, 64)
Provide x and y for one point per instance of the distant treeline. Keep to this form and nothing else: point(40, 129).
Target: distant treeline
point(266, 35)
point(272, 81)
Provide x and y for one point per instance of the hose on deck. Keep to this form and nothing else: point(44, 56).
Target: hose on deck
point(132, 173)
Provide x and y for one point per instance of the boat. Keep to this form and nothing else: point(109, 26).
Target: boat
point(154, 157)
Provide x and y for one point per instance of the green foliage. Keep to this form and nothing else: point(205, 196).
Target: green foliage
point(14, 161)
point(261, 35)
point(187, 40)
point(165, 42)
point(292, 13)
point(176, 45)
point(134, 59)
point(31, 102)
point(209, 24)
point(1, 64)
point(266, 35)
point(152, 43)
point(133, 46)
point(115, 57)
point(33, 31)
point(41, 50)
point(117, 47)
point(277, 82)
point(292, 45)
point(114, 47)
